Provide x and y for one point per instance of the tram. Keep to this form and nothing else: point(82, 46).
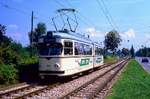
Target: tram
point(65, 53)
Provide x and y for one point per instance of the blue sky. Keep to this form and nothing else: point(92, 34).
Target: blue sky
point(132, 18)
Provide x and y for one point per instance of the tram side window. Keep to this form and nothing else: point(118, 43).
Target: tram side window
point(68, 48)
point(87, 50)
point(82, 49)
point(98, 51)
point(76, 49)
point(79, 49)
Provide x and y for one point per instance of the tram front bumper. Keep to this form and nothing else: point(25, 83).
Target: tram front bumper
point(51, 72)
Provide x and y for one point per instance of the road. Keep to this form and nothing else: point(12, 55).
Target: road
point(146, 66)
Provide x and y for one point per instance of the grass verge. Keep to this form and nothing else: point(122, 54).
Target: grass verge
point(134, 83)
point(109, 58)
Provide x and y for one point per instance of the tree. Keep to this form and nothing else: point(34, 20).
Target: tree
point(8, 74)
point(112, 40)
point(41, 29)
point(125, 51)
point(119, 53)
point(2, 32)
point(34, 36)
point(143, 52)
point(132, 52)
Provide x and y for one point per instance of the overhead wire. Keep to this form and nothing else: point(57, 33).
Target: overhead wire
point(89, 23)
point(105, 11)
point(83, 16)
point(25, 12)
point(106, 15)
point(82, 20)
point(15, 9)
point(110, 16)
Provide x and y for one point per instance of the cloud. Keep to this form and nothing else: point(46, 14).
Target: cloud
point(147, 35)
point(128, 34)
point(13, 26)
point(94, 33)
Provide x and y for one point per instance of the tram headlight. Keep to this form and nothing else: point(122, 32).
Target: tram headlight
point(56, 65)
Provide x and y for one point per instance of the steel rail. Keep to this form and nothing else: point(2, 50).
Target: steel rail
point(46, 87)
point(94, 79)
point(101, 87)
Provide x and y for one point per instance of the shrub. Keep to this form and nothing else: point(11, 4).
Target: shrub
point(110, 58)
point(28, 60)
point(8, 74)
point(7, 55)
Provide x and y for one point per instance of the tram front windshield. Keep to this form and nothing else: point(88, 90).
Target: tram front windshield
point(50, 49)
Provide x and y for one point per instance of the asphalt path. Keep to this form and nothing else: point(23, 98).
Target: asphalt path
point(145, 65)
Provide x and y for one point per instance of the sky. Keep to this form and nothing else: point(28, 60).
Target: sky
point(131, 18)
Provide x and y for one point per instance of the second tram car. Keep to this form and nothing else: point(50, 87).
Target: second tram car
point(66, 53)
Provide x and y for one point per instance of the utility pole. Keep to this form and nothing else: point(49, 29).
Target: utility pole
point(32, 32)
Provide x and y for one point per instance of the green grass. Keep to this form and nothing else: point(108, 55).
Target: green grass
point(134, 83)
point(109, 58)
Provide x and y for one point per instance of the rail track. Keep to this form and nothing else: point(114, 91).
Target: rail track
point(20, 91)
point(26, 91)
point(13, 89)
point(64, 90)
point(29, 91)
point(91, 89)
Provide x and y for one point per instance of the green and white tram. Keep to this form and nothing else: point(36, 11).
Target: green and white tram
point(66, 53)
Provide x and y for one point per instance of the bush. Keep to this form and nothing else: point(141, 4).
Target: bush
point(28, 60)
point(8, 74)
point(7, 55)
point(110, 58)
point(13, 57)
point(1, 62)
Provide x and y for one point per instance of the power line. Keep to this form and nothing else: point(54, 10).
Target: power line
point(106, 15)
point(40, 14)
point(15, 9)
point(25, 12)
point(84, 17)
point(59, 3)
point(88, 23)
point(109, 14)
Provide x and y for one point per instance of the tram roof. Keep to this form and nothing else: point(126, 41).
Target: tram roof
point(73, 36)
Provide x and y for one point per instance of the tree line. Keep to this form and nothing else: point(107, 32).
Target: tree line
point(12, 56)
point(143, 52)
point(112, 42)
